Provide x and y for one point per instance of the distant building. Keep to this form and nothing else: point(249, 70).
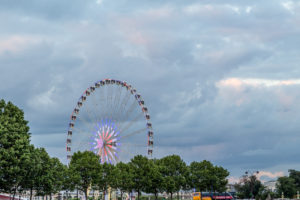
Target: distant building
point(271, 185)
point(230, 188)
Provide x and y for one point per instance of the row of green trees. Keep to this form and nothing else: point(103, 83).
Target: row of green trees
point(169, 174)
point(251, 187)
point(22, 166)
point(26, 168)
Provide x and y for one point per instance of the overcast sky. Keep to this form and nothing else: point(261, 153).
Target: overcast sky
point(221, 78)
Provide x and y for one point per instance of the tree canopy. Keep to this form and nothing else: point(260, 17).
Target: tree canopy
point(84, 167)
point(14, 147)
point(250, 187)
point(207, 177)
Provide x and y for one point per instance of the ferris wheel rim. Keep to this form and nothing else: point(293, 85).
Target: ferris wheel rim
point(132, 91)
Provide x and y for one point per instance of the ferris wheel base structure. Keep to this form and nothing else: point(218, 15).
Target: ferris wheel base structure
point(110, 119)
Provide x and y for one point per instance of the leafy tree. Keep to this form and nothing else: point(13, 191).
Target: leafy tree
point(32, 168)
point(294, 174)
point(249, 187)
point(43, 174)
point(287, 186)
point(201, 175)
point(154, 178)
point(124, 178)
point(204, 176)
point(85, 167)
point(14, 147)
point(140, 166)
point(220, 181)
point(105, 178)
point(57, 174)
point(43, 181)
point(173, 170)
point(68, 184)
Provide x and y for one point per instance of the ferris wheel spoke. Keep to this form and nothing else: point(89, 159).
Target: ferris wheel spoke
point(112, 97)
point(90, 113)
point(110, 155)
point(96, 107)
point(82, 133)
point(134, 133)
point(130, 123)
point(123, 104)
point(134, 145)
point(89, 126)
point(117, 101)
point(79, 130)
point(125, 116)
point(101, 95)
point(79, 145)
point(109, 106)
point(110, 101)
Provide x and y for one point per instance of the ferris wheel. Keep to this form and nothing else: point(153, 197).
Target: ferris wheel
point(110, 119)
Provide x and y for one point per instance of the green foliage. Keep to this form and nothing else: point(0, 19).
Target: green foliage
point(154, 178)
point(32, 171)
point(84, 169)
point(220, 178)
point(105, 177)
point(124, 177)
point(204, 176)
point(250, 187)
point(174, 171)
point(14, 147)
point(287, 186)
point(140, 167)
point(294, 174)
point(23, 167)
point(50, 174)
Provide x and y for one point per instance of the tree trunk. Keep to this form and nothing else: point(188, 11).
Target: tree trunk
point(156, 195)
point(178, 195)
point(86, 194)
point(138, 194)
point(30, 194)
point(104, 194)
point(110, 193)
point(14, 194)
point(121, 195)
point(171, 195)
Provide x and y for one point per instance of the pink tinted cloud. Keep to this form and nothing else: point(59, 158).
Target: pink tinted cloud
point(15, 43)
point(231, 82)
point(269, 174)
point(260, 175)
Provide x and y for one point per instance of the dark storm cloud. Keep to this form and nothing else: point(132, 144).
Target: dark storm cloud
point(178, 55)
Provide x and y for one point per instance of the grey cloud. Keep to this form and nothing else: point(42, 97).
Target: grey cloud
point(54, 10)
